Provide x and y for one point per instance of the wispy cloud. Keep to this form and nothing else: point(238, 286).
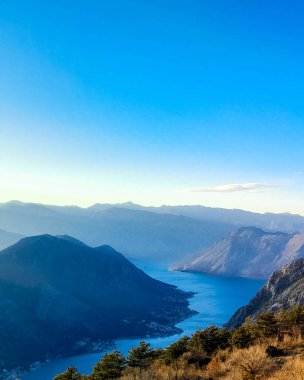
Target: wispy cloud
point(230, 188)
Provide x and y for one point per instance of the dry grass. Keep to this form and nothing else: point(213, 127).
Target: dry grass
point(137, 374)
point(179, 372)
point(293, 369)
point(239, 364)
point(217, 368)
point(249, 363)
point(253, 363)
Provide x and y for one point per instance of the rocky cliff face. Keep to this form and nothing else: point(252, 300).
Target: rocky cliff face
point(248, 252)
point(284, 288)
point(58, 296)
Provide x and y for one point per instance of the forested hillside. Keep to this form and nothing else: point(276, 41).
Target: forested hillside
point(270, 347)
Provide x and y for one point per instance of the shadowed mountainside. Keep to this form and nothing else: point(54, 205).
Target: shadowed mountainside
point(58, 296)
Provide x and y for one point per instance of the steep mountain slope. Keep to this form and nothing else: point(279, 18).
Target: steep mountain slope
point(8, 238)
point(248, 252)
point(58, 296)
point(137, 233)
point(284, 289)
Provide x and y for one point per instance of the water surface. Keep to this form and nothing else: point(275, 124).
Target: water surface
point(216, 300)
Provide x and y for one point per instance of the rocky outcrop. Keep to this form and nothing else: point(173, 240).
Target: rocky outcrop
point(248, 252)
point(284, 289)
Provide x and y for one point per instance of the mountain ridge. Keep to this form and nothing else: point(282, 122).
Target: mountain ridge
point(248, 252)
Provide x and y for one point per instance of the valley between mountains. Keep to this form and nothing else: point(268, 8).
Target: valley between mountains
point(65, 290)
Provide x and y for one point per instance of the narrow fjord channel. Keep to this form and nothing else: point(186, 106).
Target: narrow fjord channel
point(216, 299)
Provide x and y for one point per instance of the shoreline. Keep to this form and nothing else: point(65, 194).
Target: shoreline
point(153, 330)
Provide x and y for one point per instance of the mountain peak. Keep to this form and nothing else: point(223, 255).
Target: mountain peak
point(248, 252)
point(71, 239)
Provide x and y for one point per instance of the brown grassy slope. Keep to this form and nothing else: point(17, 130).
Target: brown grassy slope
point(238, 364)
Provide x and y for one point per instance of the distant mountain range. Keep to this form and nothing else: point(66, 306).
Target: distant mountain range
point(284, 289)
point(59, 296)
point(269, 221)
point(137, 233)
point(8, 238)
point(171, 233)
point(248, 252)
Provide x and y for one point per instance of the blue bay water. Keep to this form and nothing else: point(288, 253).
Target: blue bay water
point(216, 300)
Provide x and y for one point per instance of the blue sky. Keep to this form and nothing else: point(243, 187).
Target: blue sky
point(176, 102)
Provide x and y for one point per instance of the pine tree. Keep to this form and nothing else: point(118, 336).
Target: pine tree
point(70, 374)
point(110, 367)
point(241, 337)
point(267, 324)
point(175, 350)
point(141, 356)
point(209, 340)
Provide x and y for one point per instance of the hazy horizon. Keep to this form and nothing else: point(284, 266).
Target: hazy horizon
point(159, 102)
point(142, 205)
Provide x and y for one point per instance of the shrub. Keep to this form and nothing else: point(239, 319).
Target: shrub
point(250, 362)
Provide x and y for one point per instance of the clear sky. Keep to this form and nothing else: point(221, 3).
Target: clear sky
point(154, 101)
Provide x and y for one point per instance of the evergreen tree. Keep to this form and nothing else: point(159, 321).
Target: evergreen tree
point(267, 324)
point(291, 321)
point(110, 367)
point(296, 316)
point(70, 374)
point(141, 356)
point(284, 323)
point(241, 337)
point(175, 350)
point(246, 335)
point(209, 340)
